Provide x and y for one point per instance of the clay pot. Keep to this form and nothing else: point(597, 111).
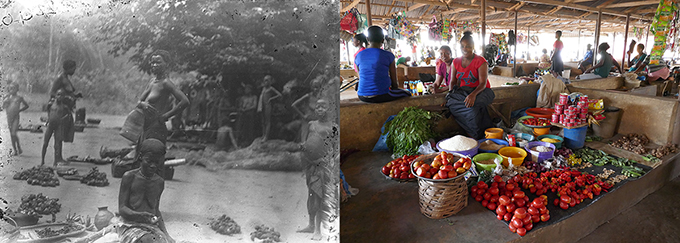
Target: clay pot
point(102, 218)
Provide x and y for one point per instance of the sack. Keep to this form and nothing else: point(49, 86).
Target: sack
point(550, 90)
point(381, 145)
point(349, 22)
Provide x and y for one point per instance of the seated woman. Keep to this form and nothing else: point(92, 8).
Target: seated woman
point(544, 62)
point(377, 71)
point(587, 59)
point(443, 70)
point(653, 71)
point(603, 66)
point(403, 61)
point(470, 92)
point(639, 59)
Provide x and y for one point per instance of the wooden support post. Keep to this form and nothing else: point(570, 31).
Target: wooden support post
point(482, 12)
point(349, 57)
point(578, 51)
point(625, 41)
point(647, 38)
point(528, 40)
point(597, 36)
point(514, 56)
point(368, 13)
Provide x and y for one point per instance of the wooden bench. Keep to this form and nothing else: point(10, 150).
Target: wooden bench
point(494, 107)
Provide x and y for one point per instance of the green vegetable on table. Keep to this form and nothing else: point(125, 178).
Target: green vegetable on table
point(632, 171)
point(409, 129)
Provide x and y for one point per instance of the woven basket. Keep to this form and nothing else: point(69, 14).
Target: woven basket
point(441, 198)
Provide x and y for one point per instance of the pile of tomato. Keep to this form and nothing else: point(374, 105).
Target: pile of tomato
point(536, 122)
point(571, 186)
point(399, 167)
point(511, 204)
point(442, 167)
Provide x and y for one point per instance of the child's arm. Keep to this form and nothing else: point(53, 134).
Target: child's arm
point(23, 102)
point(295, 103)
point(278, 94)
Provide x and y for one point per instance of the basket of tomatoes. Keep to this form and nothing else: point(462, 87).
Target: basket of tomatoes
point(398, 169)
point(441, 183)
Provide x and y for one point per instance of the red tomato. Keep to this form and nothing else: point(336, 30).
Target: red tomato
point(494, 190)
point(557, 201)
point(481, 184)
point(421, 172)
point(520, 202)
point(543, 210)
point(428, 175)
point(504, 200)
point(510, 186)
point(403, 176)
point(474, 189)
point(573, 203)
point(533, 211)
point(507, 216)
point(566, 199)
point(511, 208)
point(494, 199)
point(564, 205)
point(433, 171)
point(535, 218)
point(532, 190)
point(494, 184)
point(501, 185)
point(452, 174)
point(425, 166)
point(446, 168)
point(545, 217)
point(479, 198)
point(443, 174)
point(487, 196)
point(485, 203)
point(385, 170)
point(404, 168)
point(520, 213)
point(498, 178)
point(457, 165)
point(501, 210)
point(518, 223)
point(526, 220)
point(529, 227)
point(512, 228)
point(537, 203)
point(411, 176)
point(436, 177)
point(521, 231)
point(519, 194)
point(500, 216)
point(491, 206)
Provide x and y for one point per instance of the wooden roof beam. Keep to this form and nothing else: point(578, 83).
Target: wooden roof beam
point(415, 6)
point(350, 6)
point(426, 11)
point(582, 8)
point(632, 4)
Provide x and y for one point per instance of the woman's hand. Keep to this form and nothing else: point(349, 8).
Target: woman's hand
point(143, 105)
point(470, 100)
point(147, 217)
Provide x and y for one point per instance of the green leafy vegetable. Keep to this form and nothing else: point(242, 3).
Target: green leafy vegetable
point(409, 129)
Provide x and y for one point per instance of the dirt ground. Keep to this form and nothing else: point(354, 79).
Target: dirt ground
point(276, 199)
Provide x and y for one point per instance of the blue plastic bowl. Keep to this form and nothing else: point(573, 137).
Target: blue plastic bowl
point(497, 141)
point(539, 156)
point(470, 153)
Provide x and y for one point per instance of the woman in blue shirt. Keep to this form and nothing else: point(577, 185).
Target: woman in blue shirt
point(377, 71)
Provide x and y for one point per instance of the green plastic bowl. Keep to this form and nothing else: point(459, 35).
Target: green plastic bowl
point(485, 156)
point(557, 145)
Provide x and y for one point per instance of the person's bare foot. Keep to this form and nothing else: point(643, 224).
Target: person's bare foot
point(308, 229)
point(317, 236)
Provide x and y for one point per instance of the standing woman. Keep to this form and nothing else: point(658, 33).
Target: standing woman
point(556, 57)
point(359, 41)
point(155, 101)
point(60, 117)
point(470, 92)
point(443, 70)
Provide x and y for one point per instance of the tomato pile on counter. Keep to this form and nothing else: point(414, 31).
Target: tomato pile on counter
point(536, 122)
point(442, 167)
point(572, 186)
point(399, 168)
point(511, 204)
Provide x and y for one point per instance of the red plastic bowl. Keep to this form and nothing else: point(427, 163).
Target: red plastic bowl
point(540, 112)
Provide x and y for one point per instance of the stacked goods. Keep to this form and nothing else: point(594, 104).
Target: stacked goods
point(225, 225)
point(33, 204)
point(511, 204)
point(632, 142)
point(95, 178)
point(39, 176)
point(571, 115)
point(399, 168)
point(661, 27)
point(664, 150)
point(265, 234)
point(442, 167)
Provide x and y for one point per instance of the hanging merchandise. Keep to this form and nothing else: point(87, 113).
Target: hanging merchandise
point(349, 22)
point(500, 42)
point(521, 38)
point(511, 37)
point(362, 23)
point(446, 30)
point(533, 40)
point(404, 27)
point(673, 33)
point(639, 32)
point(462, 26)
point(435, 30)
point(661, 27)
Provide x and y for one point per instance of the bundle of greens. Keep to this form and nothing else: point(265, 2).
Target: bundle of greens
point(408, 130)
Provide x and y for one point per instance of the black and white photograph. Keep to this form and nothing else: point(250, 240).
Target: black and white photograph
point(169, 121)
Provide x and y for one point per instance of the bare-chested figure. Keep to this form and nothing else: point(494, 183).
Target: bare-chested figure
point(155, 100)
point(140, 195)
point(13, 105)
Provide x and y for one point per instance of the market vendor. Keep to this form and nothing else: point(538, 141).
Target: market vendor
point(443, 70)
point(377, 71)
point(653, 71)
point(587, 59)
point(603, 66)
point(544, 62)
point(556, 57)
point(638, 59)
point(139, 197)
point(403, 61)
point(359, 41)
point(470, 92)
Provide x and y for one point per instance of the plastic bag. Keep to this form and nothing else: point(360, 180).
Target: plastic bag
point(381, 145)
point(426, 148)
point(499, 167)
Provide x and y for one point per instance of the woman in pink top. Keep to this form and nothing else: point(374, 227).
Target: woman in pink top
point(443, 70)
point(469, 90)
point(359, 41)
point(556, 57)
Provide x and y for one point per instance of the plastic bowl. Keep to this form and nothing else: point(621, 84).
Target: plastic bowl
point(515, 154)
point(497, 141)
point(494, 133)
point(540, 156)
point(524, 136)
point(485, 156)
point(541, 131)
point(521, 127)
point(541, 112)
point(470, 152)
point(557, 145)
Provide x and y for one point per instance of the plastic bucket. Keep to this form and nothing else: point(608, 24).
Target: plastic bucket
point(494, 133)
point(607, 127)
point(486, 156)
point(496, 141)
point(575, 138)
point(541, 131)
point(514, 154)
point(540, 156)
point(558, 145)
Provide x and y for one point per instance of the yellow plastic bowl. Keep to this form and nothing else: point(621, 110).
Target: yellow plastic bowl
point(541, 131)
point(496, 133)
point(515, 154)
